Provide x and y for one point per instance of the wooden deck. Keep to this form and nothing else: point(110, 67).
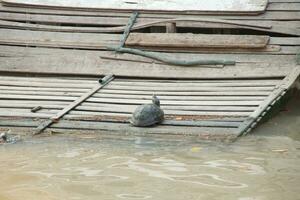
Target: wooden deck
point(51, 57)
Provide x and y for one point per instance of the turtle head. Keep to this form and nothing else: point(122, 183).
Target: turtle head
point(155, 100)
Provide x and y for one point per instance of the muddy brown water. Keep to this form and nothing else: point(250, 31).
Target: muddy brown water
point(262, 166)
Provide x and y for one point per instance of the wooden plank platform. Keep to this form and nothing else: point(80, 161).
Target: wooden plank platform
point(52, 56)
point(215, 108)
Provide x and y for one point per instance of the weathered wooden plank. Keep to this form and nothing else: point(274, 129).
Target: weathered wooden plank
point(218, 93)
point(131, 108)
point(86, 114)
point(42, 89)
point(46, 79)
point(45, 93)
point(74, 66)
point(126, 101)
point(120, 96)
point(154, 6)
point(37, 97)
point(201, 123)
point(287, 41)
point(277, 26)
point(190, 89)
point(148, 82)
point(87, 41)
point(125, 128)
point(12, 51)
point(185, 98)
point(196, 83)
point(34, 103)
point(167, 87)
point(55, 18)
point(180, 40)
point(284, 6)
point(58, 39)
point(45, 84)
point(120, 108)
point(170, 102)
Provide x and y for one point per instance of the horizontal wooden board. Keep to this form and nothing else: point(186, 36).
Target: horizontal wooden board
point(109, 107)
point(19, 52)
point(87, 41)
point(74, 65)
point(163, 5)
point(125, 128)
point(181, 40)
point(108, 23)
point(284, 6)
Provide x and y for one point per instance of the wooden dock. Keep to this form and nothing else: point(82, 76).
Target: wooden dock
point(53, 57)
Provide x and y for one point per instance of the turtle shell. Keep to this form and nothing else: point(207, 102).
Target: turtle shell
point(147, 115)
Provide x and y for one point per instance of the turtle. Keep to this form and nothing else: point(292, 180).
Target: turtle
point(148, 114)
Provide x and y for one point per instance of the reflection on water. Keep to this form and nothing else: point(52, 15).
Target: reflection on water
point(70, 167)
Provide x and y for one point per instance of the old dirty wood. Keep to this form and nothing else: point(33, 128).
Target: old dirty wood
point(180, 40)
point(247, 6)
point(117, 107)
point(78, 101)
point(73, 66)
point(138, 92)
point(126, 128)
point(194, 85)
point(87, 41)
point(121, 96)
point(265, 106)
point(92, 56)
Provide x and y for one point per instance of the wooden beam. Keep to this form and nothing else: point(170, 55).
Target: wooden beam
point(182, 40)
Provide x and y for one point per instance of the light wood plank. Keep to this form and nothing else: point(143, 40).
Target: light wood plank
point(180, 40)
point(174, 5)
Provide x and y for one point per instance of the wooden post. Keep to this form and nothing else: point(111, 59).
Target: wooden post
point(171, 27)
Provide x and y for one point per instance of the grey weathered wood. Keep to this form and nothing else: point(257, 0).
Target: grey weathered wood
point(174, 102)
point(185, 98)
point(182, 88)
point(284, 6)
point(74, 104)
point(277, 27)
point(92, 55)
point(176, 5)
point(121, 96)
point(181, 40)
point(20, 87)
point(201, 123)
point(73, 65)
point(197, 83)
point(85, 114)
point(178, 93)
point(117, 107)
point(87, 41)
point(39, 97)
point(125, 128)
point(252, 120)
